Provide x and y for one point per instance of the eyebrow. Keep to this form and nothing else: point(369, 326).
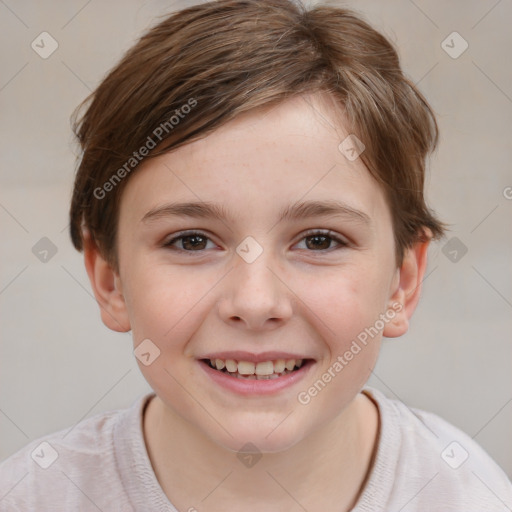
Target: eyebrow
point(296, 211)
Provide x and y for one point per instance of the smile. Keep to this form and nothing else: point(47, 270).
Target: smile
point(263, 370)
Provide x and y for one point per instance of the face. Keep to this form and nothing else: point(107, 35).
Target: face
point(265, 280)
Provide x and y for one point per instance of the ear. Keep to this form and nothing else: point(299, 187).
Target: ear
point(406, 289)
point(106, 285)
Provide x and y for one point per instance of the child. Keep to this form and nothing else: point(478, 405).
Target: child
point(250, 205)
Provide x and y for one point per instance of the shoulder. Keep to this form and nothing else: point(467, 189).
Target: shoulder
point(69, 468)
point(432, 463)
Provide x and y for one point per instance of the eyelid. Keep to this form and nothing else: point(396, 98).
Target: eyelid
point(339, 239)
point(183, 234)
point(327, 232)
point(187, 232)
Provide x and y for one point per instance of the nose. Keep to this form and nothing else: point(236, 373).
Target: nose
point(255, 296)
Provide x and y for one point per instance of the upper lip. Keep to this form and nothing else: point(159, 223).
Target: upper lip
point(240, 355)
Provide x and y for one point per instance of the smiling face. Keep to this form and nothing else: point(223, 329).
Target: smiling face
point(264, 279)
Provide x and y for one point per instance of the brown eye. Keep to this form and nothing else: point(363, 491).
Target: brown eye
point(191, 242)
point(319, 241)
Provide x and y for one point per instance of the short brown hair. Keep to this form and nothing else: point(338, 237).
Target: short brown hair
point(206, 64)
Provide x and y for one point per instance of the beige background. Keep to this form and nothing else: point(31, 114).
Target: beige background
point(59, 364)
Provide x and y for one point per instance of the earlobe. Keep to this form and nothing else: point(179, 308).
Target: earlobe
point(106, 285)
point(407, 289)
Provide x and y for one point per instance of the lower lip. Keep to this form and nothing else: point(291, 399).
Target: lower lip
point(254, 386)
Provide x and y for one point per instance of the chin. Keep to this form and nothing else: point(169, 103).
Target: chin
point(265, 438)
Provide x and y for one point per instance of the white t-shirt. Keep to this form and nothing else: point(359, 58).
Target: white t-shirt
point(422, 464)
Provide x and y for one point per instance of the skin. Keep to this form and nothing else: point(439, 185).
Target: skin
point(294, 297)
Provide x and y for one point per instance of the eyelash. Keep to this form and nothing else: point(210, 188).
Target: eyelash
point(308, 234)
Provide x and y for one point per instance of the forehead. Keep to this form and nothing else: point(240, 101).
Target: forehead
point(261, 161)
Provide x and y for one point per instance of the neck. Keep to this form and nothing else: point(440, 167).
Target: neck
point(325, 471)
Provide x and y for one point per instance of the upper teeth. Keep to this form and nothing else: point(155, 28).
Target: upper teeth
point(262, 368)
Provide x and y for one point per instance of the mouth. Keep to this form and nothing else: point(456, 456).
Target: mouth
point(263, 370)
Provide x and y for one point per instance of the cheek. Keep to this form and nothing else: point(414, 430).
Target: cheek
point(165, 308)
point(345, 302)
point(344, 312)
point(166, 304)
